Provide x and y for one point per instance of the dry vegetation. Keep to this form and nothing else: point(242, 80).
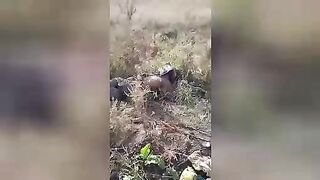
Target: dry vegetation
point(174, 130)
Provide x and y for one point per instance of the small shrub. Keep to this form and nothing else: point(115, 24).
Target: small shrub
point(184, 95)
point(138, 98)
point(124, 60)
point(136, 166)
point(121, 116)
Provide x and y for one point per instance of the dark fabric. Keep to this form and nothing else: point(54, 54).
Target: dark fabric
point(119, 89)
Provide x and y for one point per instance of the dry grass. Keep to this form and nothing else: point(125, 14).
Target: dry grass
point(143, 45)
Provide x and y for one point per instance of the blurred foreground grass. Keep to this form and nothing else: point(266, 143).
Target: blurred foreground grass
point(266, 109)
point(64, 41)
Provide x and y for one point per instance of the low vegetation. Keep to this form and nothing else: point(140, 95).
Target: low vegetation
point(152, 139)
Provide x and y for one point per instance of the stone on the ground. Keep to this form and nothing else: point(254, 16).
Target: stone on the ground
point(188, 174)
point(200, 162)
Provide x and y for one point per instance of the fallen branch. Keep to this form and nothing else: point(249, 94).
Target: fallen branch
point(193, 129)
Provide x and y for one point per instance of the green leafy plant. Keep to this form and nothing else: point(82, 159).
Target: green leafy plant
point(134, 168)
point(151, 158)
point(145, 151)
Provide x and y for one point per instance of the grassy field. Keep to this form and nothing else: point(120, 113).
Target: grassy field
point(145, 36)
